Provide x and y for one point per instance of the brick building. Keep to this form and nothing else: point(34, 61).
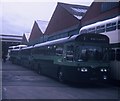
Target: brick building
point(65, 21)
point(36, 35)
point(99, 11)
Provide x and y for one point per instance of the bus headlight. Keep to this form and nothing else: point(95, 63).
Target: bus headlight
point(84, 69)
point(103, 70)
point(104, 77)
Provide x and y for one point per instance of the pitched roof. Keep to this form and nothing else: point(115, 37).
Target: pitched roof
point(77, 11)
point(27, 35)
point(24, 39)
point(38, 30)
point(42, 25)
point(64, 17)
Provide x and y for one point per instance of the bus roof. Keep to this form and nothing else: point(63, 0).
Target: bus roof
point(100, 23)
point(29, 47)
point(87, 37)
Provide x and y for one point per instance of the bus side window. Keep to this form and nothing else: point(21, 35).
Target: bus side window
point(118, 54)
point(59, 51)
point(50, 50)
point(111, 26)
point(91, 30)
point(100, 29)
point(83, 31)
point(119, 24)
point(112, 55)
point(69, 53)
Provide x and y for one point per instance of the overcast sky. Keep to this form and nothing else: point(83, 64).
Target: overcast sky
point(18, 17)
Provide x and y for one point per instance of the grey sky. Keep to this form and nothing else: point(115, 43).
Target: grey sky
point(18, 17)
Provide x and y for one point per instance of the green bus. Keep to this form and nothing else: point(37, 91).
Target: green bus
point(80, 57)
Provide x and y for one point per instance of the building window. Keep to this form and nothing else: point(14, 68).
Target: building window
point(108, 6)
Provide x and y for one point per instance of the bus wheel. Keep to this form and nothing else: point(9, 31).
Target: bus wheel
point(39, 70)
point(61, 76)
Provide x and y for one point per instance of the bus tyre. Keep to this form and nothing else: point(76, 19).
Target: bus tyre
point(39, 71)
point(60, 76)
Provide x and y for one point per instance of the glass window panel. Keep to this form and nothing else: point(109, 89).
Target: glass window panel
point(119, 24)
point(112, 55)
point(108, 5)
point(111, 26)
point(118, 54)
